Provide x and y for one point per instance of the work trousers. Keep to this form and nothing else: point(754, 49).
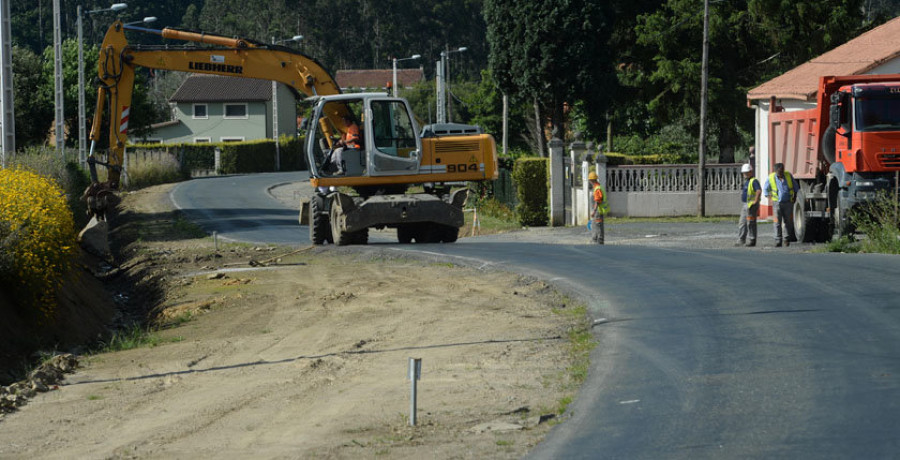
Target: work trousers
point(747, 224)
point(784, 215)
point(597, 229)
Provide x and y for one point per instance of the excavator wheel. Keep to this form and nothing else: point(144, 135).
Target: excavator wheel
point(405, 234)
point(448, 233)
point(342, 238)
point(319, 222)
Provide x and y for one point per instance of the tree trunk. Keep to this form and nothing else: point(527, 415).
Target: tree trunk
point(728, 137)
point(539, 129)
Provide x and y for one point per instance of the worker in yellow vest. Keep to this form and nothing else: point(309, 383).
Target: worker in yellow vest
point(599, 208)
point(781, 188)
point(750, 193)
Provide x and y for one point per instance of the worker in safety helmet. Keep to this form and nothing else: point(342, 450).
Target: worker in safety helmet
point(599, 208)
point(782, 190)
point(349, 140)
point(750, 193)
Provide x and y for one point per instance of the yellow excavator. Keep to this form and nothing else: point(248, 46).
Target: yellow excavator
point(359, 185)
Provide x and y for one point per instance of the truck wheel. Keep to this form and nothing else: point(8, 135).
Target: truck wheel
point(803, 226)
point(842, 225)
point(319, 223)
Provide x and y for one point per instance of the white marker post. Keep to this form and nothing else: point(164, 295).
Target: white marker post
point(414, 372)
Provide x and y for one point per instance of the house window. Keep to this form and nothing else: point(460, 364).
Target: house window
point(236, 111)
point(151, 141)
point(202, 140)
point(231, 139)
point(200, 111)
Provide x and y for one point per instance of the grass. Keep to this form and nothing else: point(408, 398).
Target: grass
point(493, 217)
point(580, 342)
point(844, 244)
point(879, 220)
point(134, 336)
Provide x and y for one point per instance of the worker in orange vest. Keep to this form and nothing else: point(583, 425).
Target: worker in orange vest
point(349, 140)
point(599, 208)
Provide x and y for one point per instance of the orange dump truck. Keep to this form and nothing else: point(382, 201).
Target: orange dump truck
point(843, 152)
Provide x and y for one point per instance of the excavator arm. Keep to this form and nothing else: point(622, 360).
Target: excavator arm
point(225, 56)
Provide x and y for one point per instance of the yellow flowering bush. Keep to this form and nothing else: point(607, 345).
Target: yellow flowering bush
point(37, 239)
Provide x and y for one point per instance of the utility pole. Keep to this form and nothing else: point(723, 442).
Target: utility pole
point(7, 118)
point(704, 95)
point(58, 80)
point(441, 113)
point(505, 123)
point(275, 121)
point(82, 134)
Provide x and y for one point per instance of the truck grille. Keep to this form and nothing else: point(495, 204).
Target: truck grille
point(456, 146)
point(890, 160)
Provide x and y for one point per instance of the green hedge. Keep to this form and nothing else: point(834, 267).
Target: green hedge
point(532, 176)
point(237, 157)
point(619, 159)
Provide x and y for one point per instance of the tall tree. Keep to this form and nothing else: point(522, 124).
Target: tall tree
point(32, 113)
point(554, 51)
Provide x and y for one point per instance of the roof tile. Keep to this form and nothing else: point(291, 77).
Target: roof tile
point(855, 57)
point(215, 88)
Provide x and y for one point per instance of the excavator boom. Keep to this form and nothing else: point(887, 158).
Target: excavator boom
point(228, 56)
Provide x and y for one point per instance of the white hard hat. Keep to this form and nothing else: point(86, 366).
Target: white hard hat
point(746, 168)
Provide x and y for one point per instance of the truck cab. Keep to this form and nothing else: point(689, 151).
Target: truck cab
point(868, 127)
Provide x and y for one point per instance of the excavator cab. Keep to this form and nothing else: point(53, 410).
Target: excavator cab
point(388, 140)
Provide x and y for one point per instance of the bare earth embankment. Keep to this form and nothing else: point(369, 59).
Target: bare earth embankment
point(306, 357)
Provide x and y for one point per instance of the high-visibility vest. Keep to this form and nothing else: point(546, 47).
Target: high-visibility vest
point(774, 187)
point(600, 198)
point(751, 192)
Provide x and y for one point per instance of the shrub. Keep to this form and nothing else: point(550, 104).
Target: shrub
point(618, 159)
point(161, 168)
point(47, 162)
point(236, 157)
point(37, 239)
point(531, 177)
point(879, 219)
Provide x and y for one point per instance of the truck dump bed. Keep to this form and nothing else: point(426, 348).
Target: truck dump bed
point(794, 141)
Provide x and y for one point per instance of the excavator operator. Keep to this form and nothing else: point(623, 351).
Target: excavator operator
point(349, 140)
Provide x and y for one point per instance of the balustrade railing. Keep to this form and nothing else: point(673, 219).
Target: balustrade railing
point(672, 178)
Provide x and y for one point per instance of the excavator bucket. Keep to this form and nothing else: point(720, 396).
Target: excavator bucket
point(304, 212)
point(94, 238)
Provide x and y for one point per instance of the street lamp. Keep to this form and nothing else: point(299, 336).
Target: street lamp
point(82, 136)
point(445, 84)
point(295, 38)
point(394, 87)
point(146, 20)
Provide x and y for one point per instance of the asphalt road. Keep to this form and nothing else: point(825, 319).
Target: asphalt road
point(705, 351)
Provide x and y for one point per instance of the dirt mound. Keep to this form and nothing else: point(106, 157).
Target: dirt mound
point(45, 378)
